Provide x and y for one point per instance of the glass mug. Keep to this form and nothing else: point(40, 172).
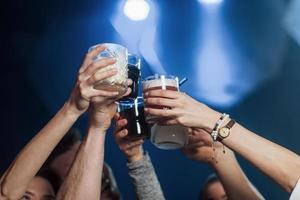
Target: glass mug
point(164, 137)
point(134, 73)
point(133, 111)
point(118, 82)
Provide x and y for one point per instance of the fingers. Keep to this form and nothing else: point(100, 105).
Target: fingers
point(168, 122)
point(120, 135)
point(90, 56)
point(127, 92)
point(161, 102)
point(117, 116)
point(160, 112)
point(100, 75)
point(91, 94)
point(101, 100)
point(129, 82)
point(163, 93)
point(120, 124)
point(95, 66)
point(199, 140)
point(130, 144)
point(195, 144)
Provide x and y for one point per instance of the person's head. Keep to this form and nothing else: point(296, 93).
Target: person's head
point(109, 188)
point(62, 157)
point(213, 189)
point(43, 186)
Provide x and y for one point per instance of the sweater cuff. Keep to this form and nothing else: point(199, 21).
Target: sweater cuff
point(144, 162)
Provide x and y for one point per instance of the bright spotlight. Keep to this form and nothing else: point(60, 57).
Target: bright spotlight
point(136, 10)
point(210, 1)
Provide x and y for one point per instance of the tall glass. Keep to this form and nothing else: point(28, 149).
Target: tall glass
point(164, 137)
point(133, 111)
point(117, 82)
point(134, 73)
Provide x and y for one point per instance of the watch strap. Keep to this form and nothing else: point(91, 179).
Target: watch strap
point(229, 125)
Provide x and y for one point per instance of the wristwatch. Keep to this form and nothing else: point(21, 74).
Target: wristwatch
point(224, 132)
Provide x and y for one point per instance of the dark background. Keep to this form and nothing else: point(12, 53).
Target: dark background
point(43, 42)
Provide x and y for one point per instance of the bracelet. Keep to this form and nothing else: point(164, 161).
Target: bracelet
point(214, 133)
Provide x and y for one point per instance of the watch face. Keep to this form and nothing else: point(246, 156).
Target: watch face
point(224, 132)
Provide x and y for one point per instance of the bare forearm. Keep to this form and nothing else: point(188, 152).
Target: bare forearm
point(84, 178)
point(275, 161)
point(34, 154)
point(235, 182)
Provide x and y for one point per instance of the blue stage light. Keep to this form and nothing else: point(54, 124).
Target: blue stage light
point(136, 10)
point(210, 1)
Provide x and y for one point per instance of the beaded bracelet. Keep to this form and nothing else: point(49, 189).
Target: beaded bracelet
point(214, 133)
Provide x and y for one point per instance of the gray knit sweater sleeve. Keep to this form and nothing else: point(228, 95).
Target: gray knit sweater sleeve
point(145, 181)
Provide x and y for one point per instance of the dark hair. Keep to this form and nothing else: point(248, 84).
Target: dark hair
point(72, 137)
point(109, 184)
point(210, 180)
point(50, 176)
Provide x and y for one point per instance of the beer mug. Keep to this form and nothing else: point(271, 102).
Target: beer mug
point(133, 111)
point(134, 73)
point(164, 137)
point(118, 82)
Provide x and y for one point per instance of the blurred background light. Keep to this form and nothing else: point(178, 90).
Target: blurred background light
point(292, 22)
point(136, 10)
point(210, 1)
point(138, 36)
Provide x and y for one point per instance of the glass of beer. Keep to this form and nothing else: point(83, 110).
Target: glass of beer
point(118, 82)
point(133, 111)
point(164, 137)
point(134, 73)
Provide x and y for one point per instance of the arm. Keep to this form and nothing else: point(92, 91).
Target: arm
point(34, 154)
point(14, 182)
point(285, 172)
point(84, 178)
point(139, 164)
point(259, 151)
point(144, 179)
point(234, 181)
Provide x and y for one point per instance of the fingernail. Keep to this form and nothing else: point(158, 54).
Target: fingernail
point(146, 94)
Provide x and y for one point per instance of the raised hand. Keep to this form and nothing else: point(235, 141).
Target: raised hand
point(183, 109)
point(200, 147)
point(88, 76)
point(131, 148)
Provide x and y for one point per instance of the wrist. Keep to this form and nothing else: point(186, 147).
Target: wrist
point(212, 118)
point(96, 129)
point(70, 111)
point(137, 157)
point(221, 158)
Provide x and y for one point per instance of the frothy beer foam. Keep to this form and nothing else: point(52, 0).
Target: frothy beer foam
point(160, 84)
